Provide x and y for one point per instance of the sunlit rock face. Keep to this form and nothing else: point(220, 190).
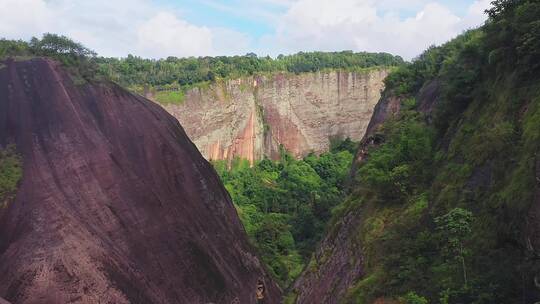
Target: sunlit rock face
point(251, 117)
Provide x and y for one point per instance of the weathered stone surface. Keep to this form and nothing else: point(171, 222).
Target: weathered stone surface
point(2, 301)
point(251, 117)
point(116, 205)
point(335, 267)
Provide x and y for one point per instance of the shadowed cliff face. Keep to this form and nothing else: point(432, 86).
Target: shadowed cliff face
point(116, 205)
point(252, 117)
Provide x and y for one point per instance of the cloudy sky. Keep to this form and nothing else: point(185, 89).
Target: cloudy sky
point(161, 28)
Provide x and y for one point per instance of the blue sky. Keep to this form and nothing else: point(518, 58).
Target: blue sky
point(208, 12)
point(222, 13)
point(162, 28)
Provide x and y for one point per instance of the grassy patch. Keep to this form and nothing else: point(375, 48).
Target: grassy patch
point(170, 97)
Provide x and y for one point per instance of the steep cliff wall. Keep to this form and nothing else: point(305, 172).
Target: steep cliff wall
point(252, 117)
point(116, 205)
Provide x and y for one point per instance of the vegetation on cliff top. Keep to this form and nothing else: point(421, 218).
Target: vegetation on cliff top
point(133, 70)
point(78, 59)
point(177, 74)
point(446, 196)
point(286, 204)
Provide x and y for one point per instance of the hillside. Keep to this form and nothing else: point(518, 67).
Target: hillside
point(445, 193)
point(109, 209)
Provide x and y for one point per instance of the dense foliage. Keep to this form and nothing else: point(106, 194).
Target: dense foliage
point(10, 173)
point(132, 71)
point(76, 57)
point(169, 78)
point(285, 204)
point(447, 195)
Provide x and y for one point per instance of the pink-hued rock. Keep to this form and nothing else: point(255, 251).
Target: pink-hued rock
point(116, 204)
point(2, 301)
point(251, 117)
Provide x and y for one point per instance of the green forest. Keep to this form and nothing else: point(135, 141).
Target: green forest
point(445, 195)
point(136, 72)
point(285, 205)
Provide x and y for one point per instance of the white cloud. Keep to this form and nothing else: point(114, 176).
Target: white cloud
point(230, 42)
point(166, 34)
point(145, 28)
point(116, 28)
point(18, 17)
point(475, 13)
point(369, 25)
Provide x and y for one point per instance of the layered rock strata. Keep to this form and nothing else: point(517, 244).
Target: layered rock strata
point(252, 117)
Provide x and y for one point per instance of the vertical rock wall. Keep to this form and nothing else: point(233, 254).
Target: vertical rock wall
point(251, 117)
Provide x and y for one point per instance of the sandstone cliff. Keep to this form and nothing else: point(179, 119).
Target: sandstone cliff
point(252, 117)
point(116, 205)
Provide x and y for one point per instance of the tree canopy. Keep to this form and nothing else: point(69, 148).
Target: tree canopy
point(134, 70)
point(286, 204)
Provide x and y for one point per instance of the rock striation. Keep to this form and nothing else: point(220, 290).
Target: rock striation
point(251, 117)
point(116, 204)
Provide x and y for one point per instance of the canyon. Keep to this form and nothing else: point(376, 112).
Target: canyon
point(252, 117)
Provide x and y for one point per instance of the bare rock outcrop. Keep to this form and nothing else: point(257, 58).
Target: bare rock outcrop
point(251, 117)
point(116, 204)
point(335, 266)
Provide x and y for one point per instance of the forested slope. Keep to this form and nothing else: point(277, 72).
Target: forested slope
point(445, 202)
point(285, 204)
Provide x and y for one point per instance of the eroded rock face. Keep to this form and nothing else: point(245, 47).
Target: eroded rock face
point(116, 205)
point(2, 301)
point(252, 117)
point(334, 268)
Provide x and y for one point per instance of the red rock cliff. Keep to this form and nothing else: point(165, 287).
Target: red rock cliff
point(251, 117)
point(116, 204)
